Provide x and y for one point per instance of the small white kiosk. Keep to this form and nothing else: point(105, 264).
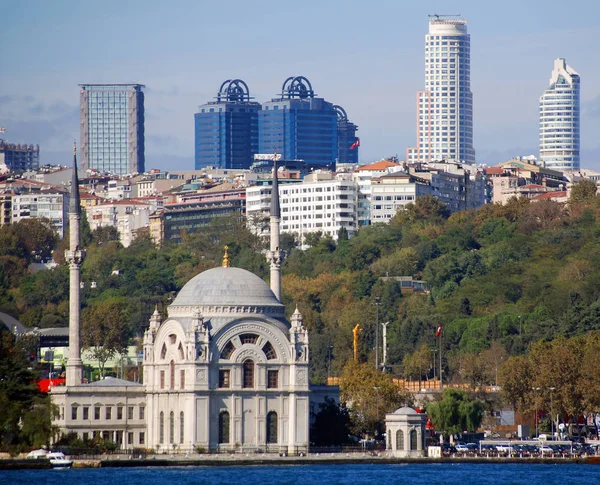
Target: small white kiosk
point(406, 433)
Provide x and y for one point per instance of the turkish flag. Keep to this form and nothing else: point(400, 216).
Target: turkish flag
point(356, 144)
point(438, 332)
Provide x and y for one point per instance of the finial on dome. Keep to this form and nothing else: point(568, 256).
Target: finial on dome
point(156, 313)
point(226, 258)
point(74, 147)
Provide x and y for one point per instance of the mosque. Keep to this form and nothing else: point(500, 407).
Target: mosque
point(224, 371)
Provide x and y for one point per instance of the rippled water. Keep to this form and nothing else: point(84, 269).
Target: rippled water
point(412, 474)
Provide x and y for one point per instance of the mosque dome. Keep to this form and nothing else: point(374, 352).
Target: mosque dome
point(406, 411)
point(226, 287)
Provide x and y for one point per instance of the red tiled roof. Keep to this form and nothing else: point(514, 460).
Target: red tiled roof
point(551, 195)
point(381, 165)
point(494, 171)
point(532, 186)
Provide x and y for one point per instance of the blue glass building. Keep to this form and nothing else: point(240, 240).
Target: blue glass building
point(112, 127)
point(346, 137)
point(299, 125)
point(226, 130)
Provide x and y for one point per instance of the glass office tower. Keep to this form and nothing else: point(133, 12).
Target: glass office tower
point(445, 106)
point(112, 127)
point(559, 119)
point(226, 130)
point(299, 125)
point(346, 137)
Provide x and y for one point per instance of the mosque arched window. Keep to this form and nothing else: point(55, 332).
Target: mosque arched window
point(172, 427)
point(223, 427)
point(227, 351)
point(272, 427)
point(248, 338)
point(413, 439)
point(400, 440)
point(172, 372)
point(269, 351)
point(161, 428)
point(163, 351)
point(181, 427)
point(248, 374)
point(180, 349)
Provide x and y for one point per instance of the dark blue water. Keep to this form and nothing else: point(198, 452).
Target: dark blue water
point(417, 474)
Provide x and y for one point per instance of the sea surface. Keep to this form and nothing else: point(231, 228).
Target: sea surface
point(411, 474)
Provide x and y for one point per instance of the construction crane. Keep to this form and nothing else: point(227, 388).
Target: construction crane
point(437, 16)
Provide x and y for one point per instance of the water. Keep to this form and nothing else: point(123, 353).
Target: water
point(417, 474)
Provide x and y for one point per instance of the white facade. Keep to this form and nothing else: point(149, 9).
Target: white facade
point(52, 206)
point(320, 203)
point(405, 431)
point(560, 119)
point(126, 216)
point(445, 106)
point(362, 176)
point(393, 192)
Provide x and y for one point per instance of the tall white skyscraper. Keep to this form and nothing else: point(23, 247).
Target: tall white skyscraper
point(559, 119)
point(445, 106)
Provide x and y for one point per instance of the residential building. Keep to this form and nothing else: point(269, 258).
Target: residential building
point(112, 128)
point(50, 203)
point(392, 192)
point(560, 119)
point(445, 106)
point(459, 191)
point(362, 176)
point(348, 143)
point(322, 202)
point(19, 158)
point(299, 125)
point(226, 130)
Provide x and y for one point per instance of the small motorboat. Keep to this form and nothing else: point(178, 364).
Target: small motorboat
point(59, 460)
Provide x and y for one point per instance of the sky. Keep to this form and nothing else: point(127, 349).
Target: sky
point(367, 56)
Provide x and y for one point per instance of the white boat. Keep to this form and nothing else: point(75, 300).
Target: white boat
point(58, 460)
point(40, 454)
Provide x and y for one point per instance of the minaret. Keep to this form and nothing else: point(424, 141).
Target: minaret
point(74, 257)
point(275, 256)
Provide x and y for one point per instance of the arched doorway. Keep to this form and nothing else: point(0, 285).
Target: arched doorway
point(272, 427)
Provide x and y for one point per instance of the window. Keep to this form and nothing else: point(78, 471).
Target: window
point(108, 412)
point(142, 438)
point(227, 351)
point(224, 378)
point(86, 412)
point(119, 412)
point(142, 412)
point(162, 379)
point(130, 438)
point(96, 412)
point(248, 371)
point(400, 440)
point(130, 412)
point(163, 351)
point(272, 379)
point(172, 376)
point(74, 412)
point(181, 427)
point(272, 427)
point(172, 427)
point(161, 428)
point(223, 427)
point(182, 379)
point(86, 436)
point(269, 351)
point(413, 440)
point(248, 338)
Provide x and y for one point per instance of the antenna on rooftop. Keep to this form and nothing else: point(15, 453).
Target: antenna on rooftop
point(438, 16)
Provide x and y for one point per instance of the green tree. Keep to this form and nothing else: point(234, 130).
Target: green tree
point(104, 234)
point(455, 412)
point(583, 192)
point(104, 331)
point(370, 394)
point(331, 425)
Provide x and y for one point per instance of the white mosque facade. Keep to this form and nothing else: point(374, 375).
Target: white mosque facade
point(224, 371)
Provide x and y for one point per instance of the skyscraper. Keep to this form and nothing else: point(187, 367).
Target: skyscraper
point(445, 106)
point(346, 137)
point(226, 130)
point(559, 119)
point(299, 125)
point(112, 127)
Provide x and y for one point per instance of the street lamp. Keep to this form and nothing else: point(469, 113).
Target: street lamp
point(329, 349)
point(434, 351)
point(376, 389)
point(551, 389)
point(536, 411)
point(377, 299)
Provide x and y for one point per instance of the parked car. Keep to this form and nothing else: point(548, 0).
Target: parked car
point(462, 448)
